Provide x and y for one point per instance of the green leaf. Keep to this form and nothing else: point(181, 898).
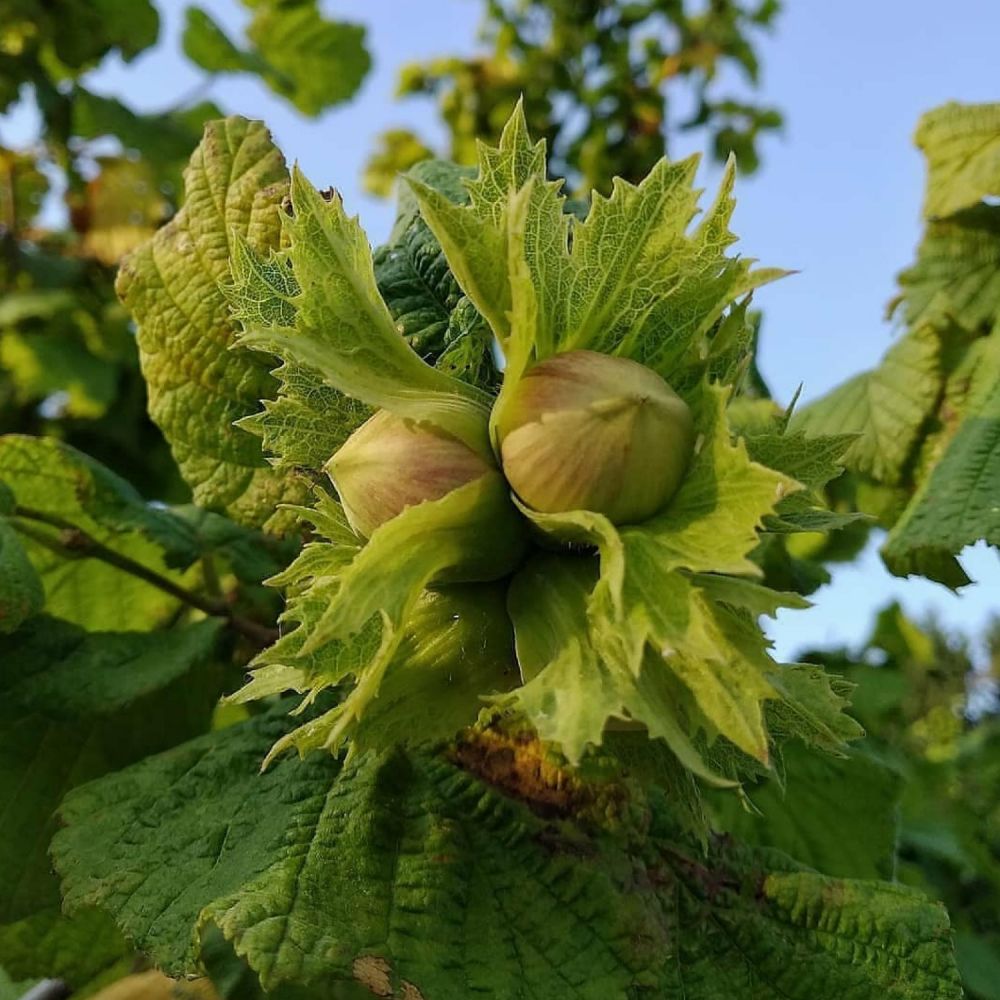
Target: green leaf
point(10, 990)
point(197, 385)
point(469, 349)
point(39, 303)
point(457, 648)
point(59, 490)
point(309, 420)
point(957, 503)
point(571, 690)
point(86, 31)
point(839, 817)
point(641, 274)
point(412, 274)
point(407, 874)
point(313, 62)
point(354, 605)
point(75, 705)
point(812, 461)
point(40, 364)
point(208, 46)
point(164, 140)
point(344, 331)
point(979, 964)
point(962, 146)
point(86, 951)
point(613, 283)
point(476, 238)
point(956, 276)
point(649, 643)
point(21, 592)
point(885, 408)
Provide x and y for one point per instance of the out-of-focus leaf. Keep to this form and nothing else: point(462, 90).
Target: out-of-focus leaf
point(208, 46)
point(962, 146)
point(839, 816)
point(885, 407)
point(165, 141)
point(83, 31)
point(23, 190)
point(311, 60)
point(70, 491)
point(956, 276)
point(121, 208)
point(399, 150)
point(42, 364)
point(958, 502)
point(21, 592)
point(85, 951)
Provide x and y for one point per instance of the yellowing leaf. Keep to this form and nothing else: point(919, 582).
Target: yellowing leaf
point(198, 387)
point(962, 146)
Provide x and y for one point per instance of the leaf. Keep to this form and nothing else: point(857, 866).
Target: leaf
point(476, 237)
point(208, 46)
point(885, 407)
point(85, 951)
point(321, 873)
point(957, 272)
point(957, 503)
point(21, 593)
point(164, 140)
point(836, 816)
point(344, 331)
point(399, 149)
point(197, 386)
point(649, 643)
point(456, 649)
point(10, 990)
point(711, 523)
point(75, 705)
point(979, 964)
point(309, 420)
point(812, 461)
point(354, 605)
point(43, 363)
point(962, 146)
point(121, 209)
point(312, 61)
point(638, 274)
point(411, 271)
point(87, 31)
point(60, 491)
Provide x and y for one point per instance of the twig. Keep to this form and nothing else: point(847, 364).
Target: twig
point(48, 989)
point(74, 543)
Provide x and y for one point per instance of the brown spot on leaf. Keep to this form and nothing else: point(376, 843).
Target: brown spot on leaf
point(373, 973)
point(520, 765)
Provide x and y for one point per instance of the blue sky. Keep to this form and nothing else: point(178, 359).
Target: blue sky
point(838, 197)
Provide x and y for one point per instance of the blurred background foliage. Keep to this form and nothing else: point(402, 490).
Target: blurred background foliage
point(935, 721)
point(604, 82)
point(68, 360)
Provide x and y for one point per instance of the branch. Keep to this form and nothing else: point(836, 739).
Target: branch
point(48, 989)
point(74, 543)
